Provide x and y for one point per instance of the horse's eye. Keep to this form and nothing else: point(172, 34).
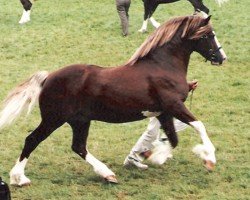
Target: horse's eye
point(204, 37)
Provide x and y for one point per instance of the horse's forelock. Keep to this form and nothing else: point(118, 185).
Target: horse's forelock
point(201, 31)
point(194, 28)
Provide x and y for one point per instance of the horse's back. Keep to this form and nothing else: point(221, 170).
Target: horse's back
point(74, 73)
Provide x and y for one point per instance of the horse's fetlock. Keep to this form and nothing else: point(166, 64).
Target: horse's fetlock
point(79, 151)
point(173, 139)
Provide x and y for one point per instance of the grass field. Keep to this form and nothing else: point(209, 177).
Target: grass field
point(78, 31)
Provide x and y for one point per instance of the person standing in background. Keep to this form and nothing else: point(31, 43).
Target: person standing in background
point(122, 7)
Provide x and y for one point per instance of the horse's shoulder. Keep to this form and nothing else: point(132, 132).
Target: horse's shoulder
point(170, 86)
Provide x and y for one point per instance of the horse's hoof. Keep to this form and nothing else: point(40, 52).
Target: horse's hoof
point(142, 30)
point(111, 179)
point(21, 184)
point(22, 22)
point(24, 184)
point(19, 180)
point(209, 165)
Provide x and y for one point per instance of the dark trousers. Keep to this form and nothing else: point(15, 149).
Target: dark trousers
point(122, 7)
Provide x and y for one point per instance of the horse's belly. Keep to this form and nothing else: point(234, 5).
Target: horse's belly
point(118, 117)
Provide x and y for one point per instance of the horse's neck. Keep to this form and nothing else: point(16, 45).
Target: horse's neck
point(173, 56)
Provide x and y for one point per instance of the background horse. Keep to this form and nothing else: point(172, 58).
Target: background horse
point(153, 81)
point(151, 5)
point(149, 8)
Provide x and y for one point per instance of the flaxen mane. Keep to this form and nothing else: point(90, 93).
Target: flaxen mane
point(192, 30)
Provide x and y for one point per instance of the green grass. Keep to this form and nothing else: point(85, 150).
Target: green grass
point(63, 32)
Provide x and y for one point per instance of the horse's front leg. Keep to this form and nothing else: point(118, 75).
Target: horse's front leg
point(80, 133)
point(151, 18)
point(26, 11)
point(167, 125)
point(205, 151)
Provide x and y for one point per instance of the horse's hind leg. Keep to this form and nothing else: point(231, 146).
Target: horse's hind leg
point(151, 19)
point(147, 10)
point(198, 5)
point(80, 134)
point(26, 12)
point(17, 176)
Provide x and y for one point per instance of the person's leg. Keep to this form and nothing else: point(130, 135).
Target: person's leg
point(143, 145)
point(127, 6)
point(120, 6)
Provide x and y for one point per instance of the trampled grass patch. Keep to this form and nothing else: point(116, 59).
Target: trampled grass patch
point(64, 32)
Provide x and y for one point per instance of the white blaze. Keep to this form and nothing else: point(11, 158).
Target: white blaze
point(219, 46)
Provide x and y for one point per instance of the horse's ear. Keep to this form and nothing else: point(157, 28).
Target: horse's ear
point(206, 21)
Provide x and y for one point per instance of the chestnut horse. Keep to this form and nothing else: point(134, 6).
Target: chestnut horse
point(151, 5)
point(153, 81)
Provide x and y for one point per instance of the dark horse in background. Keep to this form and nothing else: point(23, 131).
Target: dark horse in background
point(151, 5)
point(149, 8)
point(152, 81)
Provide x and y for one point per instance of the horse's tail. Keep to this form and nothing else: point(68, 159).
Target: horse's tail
point(221, 1)
point(22, 98)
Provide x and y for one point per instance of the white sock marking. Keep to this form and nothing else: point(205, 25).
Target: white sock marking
point(17, 176)
point(144, 26)
point(154, 22)
point(99, 167)
point(25, 17)
point(206, 151)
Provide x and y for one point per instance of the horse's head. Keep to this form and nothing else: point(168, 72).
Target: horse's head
point(208, 45)
point(194, 30)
